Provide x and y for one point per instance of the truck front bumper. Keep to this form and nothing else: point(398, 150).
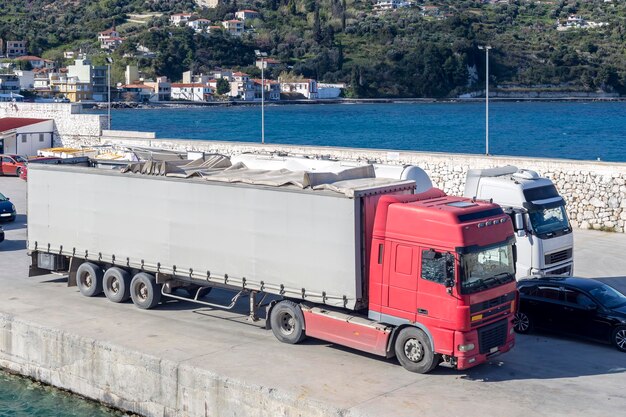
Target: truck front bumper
point(482, 340)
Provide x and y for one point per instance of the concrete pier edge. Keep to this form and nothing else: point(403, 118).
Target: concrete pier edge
point(137, 382)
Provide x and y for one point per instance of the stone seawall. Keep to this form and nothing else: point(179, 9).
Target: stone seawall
point(595, 192)
point(135, 381)
point(70, 124)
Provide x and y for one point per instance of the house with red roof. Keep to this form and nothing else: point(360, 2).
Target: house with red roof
point(234, 27)
point(23, 136)
point(110, 39)
point(36, 62)
point(192, 92)
point(180, 19)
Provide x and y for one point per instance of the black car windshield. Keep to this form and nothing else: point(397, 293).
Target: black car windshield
point(20, 159)
point(608, 296)
point(549, 220)
point(2, 197)
point(487, 268)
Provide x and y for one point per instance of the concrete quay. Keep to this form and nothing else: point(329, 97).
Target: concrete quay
point(181, 360)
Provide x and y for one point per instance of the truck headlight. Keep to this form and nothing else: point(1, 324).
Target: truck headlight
point(466, 348)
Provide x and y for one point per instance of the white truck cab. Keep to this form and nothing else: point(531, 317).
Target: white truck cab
point(544, 236)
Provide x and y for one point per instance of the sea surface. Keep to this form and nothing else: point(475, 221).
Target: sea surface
point(573, 130)
point(21, 397)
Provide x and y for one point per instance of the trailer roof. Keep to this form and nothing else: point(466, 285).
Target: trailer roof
point(351, 183)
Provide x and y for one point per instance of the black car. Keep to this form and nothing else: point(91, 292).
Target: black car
point(7, 209)
point(575, 306)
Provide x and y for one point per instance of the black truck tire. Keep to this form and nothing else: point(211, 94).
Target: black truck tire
point(116, 284)
point(287, 322)
point(144, 291)
point(414, 352)
point(89, 279)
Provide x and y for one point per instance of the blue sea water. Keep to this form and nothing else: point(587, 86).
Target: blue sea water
point(573, 130)
point(20, 397)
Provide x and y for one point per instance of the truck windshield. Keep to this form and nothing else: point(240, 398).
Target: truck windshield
point(487, 268)
point(549, 222)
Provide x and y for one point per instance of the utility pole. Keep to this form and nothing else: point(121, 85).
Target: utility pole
point(109, 62)
point(262, 55)
point(486, 48)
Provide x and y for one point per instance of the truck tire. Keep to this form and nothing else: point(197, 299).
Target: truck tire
point(414, 352)
point(144, 291)
point(287, 322)
point(89, 279)
point(116, 284)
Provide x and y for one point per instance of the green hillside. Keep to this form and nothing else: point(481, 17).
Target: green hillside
point(410, 52)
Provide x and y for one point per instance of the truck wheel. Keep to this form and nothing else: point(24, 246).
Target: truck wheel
point(619, 338)
point(89, 279)
point(414, 352)
point(144, 291)
point(116, 284)
point(287, 322)
point(522, 323)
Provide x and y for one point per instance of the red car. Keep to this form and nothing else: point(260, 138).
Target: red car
point(12, 164)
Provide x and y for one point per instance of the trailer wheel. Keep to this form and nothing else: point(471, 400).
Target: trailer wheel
point(89, 279)
point(287, 322)
point(116, 284)
point(144, 291)
point(413, 351)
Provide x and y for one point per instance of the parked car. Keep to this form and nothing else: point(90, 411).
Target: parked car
point(580, 307)
point(7, 209)
point(12, 164)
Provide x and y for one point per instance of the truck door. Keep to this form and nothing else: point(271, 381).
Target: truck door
point(433, 300)
point(402, 280)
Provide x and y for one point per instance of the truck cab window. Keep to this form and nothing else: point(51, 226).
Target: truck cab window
point(549, 220)
point(436, 266)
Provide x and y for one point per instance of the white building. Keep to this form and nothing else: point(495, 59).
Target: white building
point(234, 27)
point(306, 87)
point(199, 25)
point(272, 90)
point(192, 92)
point(329, 91)
point(247, 14)
point(180, 19)
point(25, 136)
point(9, 83)
point(36, 62)
point(27, 79)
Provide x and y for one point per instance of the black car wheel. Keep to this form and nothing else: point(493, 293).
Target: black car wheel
point(522, 323)
point(619, 338)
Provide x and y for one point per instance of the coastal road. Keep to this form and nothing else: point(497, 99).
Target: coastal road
point(544, 375)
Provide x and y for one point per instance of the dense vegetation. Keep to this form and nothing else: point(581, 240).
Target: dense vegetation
point(406, 52)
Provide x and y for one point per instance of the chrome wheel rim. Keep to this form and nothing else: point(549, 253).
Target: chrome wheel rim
point(620, 339)
point(86, 280)
point(521, 322)
point(413, 350)
point(142, 291)
point(114, 285)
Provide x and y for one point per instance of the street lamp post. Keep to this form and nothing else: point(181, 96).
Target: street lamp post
point(109, 62)
point(486, 48)
point(262, 55)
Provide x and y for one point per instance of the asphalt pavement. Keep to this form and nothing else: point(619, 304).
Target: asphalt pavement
point(544, 375)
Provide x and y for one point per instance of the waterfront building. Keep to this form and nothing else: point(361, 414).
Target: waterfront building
point(27, 79)
point(161, 89)
point(71, 88)
point(192, 92)
point(242, 87)
point(305, 87)
point(234, 27)
point(95, 75)
point(272, 89)
point(136, 92)
point(329, 91)
point(9, 84)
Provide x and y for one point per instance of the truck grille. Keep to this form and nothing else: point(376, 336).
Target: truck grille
point(475, 308)
point(559, 256)
point(492, 336)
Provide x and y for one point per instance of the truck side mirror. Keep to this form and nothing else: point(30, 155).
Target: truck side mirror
point(518, 219)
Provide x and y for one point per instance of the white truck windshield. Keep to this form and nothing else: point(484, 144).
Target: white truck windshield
point(550, 220)
point(487, 268)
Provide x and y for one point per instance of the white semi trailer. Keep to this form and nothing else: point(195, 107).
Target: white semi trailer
point(544, 235)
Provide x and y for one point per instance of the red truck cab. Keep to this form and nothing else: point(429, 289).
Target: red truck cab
point(444, 265)
point(12, 164)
